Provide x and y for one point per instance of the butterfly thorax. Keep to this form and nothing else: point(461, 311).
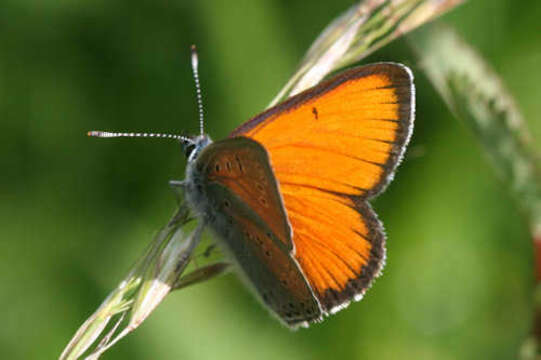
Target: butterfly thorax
point(194, 181)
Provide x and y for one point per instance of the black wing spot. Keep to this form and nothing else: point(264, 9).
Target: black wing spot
point(314, 111)
point(237, 159)
point(217, 167)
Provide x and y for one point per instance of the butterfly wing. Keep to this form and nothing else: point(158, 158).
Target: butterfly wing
point(247, 212)
point(331, 148)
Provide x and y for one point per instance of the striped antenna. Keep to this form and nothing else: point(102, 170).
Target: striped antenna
point(184, 139)
point(195, 63)
point(108, 134)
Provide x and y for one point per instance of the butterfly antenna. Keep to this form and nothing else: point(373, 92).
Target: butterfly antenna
point(195, 63)
point(184, 139)
point(108, 134)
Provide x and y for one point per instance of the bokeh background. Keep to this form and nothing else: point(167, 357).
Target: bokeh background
point(76, 212)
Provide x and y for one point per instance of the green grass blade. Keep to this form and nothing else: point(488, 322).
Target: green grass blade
point(141, 291)
point(477, 96)
point(364, 28)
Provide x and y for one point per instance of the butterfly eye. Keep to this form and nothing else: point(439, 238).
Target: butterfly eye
point(188, 150)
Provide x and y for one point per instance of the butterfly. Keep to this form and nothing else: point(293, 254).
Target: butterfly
point(287, 192)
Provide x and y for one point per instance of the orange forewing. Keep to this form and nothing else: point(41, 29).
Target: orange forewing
point(330, 148)
point(238, 168)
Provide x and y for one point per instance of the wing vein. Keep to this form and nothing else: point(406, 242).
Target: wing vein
point(308, 146)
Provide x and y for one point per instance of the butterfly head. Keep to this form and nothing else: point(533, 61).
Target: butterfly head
point(192, 145)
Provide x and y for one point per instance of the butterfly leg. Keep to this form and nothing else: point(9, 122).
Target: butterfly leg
point(205, 254)
point(177, 184)
point(209, 250)
point(178, 187)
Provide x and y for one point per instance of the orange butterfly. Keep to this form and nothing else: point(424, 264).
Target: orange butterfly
point(286, 193)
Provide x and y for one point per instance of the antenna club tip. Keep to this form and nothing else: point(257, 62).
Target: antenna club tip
point(194, 57)
point(91, 133)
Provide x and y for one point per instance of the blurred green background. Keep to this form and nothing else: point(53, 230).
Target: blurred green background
point(76, 212)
